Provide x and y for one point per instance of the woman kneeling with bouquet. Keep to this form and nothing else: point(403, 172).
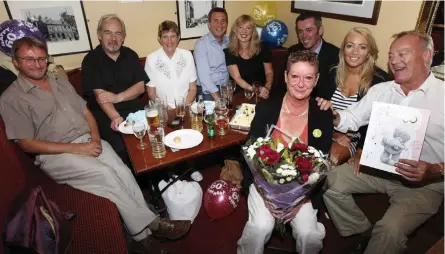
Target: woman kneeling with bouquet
point(285, 163)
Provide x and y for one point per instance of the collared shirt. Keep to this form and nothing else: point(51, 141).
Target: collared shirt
point(317, 50)
point(170, 76)
point(430, 96)
point(32, 113)
point(99, 71)
point(211, 63)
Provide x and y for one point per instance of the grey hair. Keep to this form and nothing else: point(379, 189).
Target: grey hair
point(427, 40)
point(107, 17)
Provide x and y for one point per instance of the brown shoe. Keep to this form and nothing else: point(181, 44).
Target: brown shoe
point(172, 229)
point(148, 245)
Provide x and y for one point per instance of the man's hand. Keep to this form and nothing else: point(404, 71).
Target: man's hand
point(356, 160)
point(323, 103)
point(108, 97)
point(415, 171)
point(97, 140)
point(115, 122)
point(264, 92)
point(342, 139)
point(88, 149)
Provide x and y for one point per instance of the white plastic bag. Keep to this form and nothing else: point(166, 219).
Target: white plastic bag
point(183, 199)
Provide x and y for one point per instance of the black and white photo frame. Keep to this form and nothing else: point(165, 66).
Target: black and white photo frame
point(193, 17)
point(62, 23)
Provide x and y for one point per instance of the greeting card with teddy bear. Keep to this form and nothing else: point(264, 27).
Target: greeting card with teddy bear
point(394, 132)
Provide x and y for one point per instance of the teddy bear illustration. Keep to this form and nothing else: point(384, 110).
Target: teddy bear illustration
point(393, 146)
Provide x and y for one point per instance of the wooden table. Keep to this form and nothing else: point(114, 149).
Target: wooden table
point(143, 161)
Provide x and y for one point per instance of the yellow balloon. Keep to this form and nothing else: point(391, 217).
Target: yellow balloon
point(263, 12)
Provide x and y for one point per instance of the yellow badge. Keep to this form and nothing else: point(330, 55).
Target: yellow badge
point(317, 133)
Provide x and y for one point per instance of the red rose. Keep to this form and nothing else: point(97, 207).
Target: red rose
point(304, 165)
point(305, 177)
point(300, 147)
point(272, 158)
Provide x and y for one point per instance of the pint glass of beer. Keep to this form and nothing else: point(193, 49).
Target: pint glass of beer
point(152, 114)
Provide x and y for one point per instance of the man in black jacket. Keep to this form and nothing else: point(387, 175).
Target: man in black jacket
point(309, 29)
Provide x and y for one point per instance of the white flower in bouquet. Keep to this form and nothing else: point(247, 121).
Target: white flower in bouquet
point(267, 139)
point(282, 181)
point(289, 179)
point(313, 178)
point(314, 151)
point(279, 171)
point(251, 152)
point(259, 140)
point(280, 147)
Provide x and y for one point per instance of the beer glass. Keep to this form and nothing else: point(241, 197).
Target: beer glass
point(152, 114)
point(180, 106)
point(156, 137)
point(163, 111)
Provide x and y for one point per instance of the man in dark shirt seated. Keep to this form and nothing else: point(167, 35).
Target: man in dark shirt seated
point(113, 81)
point(309, 28)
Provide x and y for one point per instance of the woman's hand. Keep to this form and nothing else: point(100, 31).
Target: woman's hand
point(291, 215)
point(323, 103)
point(264, 92)
point(342, 139)
point(356, 160)
point(272, 209)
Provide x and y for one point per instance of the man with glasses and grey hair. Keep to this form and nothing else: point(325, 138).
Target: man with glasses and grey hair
point(46, 117)
point(113, 81)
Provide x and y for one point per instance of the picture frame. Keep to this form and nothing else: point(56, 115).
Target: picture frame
point(63, 23)
point(364, 11)
point(192, 17)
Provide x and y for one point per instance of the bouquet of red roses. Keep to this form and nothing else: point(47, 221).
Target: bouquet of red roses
point(284, 175)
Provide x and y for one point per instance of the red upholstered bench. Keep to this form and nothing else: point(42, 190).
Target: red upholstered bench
point(96, 228)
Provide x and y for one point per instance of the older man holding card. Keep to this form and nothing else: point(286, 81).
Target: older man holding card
point(417, 193)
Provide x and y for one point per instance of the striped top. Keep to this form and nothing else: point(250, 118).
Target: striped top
point(341, 102)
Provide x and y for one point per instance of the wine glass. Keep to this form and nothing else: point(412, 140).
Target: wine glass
point(257, 89)
point(139, 130)
point(249, 93)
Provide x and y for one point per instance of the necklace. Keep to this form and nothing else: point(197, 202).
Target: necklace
point(288, 111)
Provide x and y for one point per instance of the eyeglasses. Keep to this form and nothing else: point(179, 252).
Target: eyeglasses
point(30, 60)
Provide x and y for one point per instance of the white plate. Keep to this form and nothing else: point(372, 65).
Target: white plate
point(189, 138)
point(129, 128)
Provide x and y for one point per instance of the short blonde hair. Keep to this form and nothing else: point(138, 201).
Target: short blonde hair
point(108, 17)
point(168, 26)
point(254, 46)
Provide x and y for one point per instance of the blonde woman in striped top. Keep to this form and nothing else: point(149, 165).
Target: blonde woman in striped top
point(350, 80)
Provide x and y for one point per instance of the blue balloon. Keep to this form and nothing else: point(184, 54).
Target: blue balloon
point(14, 29)
point(274, 33)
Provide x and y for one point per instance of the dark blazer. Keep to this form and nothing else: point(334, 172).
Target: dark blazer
point(327, 59)
point(268, 112)
point(378, 77)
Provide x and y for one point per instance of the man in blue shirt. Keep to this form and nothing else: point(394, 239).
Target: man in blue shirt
point(209, 56)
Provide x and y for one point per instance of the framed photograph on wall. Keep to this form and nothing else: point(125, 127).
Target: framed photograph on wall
point(63, 23)
point(193, 17)
point(365, 11)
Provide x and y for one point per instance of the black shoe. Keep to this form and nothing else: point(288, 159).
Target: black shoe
point(361, 243)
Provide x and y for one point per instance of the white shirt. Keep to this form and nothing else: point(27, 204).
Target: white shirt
point(170, 77)
point(430, 96)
